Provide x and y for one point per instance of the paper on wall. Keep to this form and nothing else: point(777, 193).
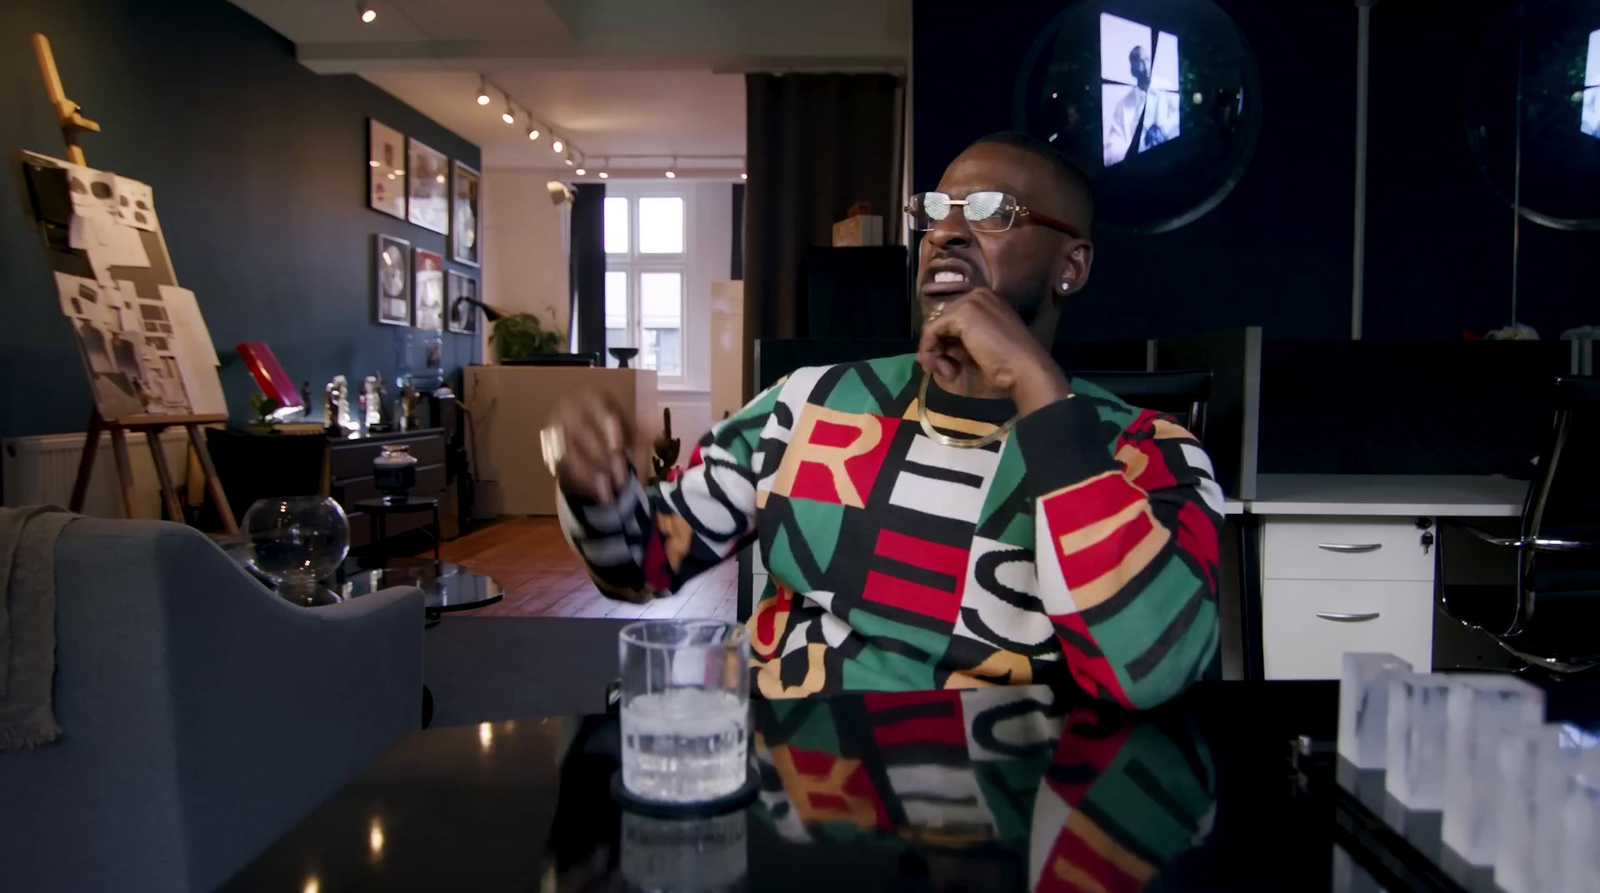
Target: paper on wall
point(82, 299)
point(184, 311)
point(137, 204)
point(196, 353)
point(107, 240)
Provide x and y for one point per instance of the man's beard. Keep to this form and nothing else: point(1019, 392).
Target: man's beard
point(1028, 305)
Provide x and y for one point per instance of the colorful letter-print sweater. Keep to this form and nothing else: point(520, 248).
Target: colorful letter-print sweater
point(1083, 544)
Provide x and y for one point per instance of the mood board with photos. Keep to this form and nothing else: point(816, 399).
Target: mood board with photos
point(142, 338)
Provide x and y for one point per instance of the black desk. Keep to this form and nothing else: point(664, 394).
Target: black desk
point(978, 791)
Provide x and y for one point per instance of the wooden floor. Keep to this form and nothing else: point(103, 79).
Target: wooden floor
point(544, 578)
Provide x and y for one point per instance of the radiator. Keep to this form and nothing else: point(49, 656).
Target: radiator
point(40, 471)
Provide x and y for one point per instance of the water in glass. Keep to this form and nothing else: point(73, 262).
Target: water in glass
point(684, 745)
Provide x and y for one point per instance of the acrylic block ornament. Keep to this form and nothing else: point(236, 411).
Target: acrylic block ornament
point(1415, 736)
point(1482, 711)
point(1364, 706)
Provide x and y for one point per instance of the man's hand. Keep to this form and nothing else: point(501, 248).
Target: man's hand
point(979, 329)
point(598, 438)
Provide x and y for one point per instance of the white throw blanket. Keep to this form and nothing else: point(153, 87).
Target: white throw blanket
point(28, 624)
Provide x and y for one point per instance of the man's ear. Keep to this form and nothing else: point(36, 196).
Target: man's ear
point(1076, 262)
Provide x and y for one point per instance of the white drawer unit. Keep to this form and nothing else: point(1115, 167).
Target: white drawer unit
point(1344, 549)
point(1308, 625)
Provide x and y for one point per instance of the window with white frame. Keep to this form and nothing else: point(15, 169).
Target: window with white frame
point(646, 265)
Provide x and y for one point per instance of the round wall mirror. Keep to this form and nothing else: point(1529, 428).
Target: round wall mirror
point(1533, 112)
point(1158, 101)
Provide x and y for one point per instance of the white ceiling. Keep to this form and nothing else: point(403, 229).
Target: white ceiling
point(601, 112)
point(613, 77)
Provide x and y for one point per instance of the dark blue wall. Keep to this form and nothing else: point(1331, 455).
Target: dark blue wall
point(259, 172)
point(1277, 252)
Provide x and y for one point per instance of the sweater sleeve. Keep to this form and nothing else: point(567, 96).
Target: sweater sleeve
point(650, 541)
point(1126, 549)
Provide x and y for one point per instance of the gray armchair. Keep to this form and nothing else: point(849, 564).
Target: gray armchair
point(203, 715)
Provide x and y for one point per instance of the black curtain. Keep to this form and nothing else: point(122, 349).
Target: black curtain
point(586, 269)
point(736, 271)
point(816, 144)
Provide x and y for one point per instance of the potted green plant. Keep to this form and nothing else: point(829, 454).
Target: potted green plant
point(522, 338)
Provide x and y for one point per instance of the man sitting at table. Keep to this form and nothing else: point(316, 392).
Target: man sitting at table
point(964, 516)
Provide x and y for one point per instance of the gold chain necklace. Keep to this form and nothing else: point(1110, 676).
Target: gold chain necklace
point(958, 442)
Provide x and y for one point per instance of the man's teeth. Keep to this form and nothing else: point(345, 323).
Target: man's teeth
point(948, 276)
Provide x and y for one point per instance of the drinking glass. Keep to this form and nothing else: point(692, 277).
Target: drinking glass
point(685, 709)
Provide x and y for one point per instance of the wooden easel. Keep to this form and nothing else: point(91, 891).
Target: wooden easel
point(72, 123)
point(152, 426)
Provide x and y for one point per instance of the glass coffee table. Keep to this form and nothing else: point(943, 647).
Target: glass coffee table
point(446, 586)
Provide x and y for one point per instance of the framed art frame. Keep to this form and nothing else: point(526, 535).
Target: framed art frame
point(465, 229)
point(429, 294)
point(386, 171)
point(463, 316)
point(427, 187)
point(391, 280)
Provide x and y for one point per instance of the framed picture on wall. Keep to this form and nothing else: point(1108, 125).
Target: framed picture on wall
point(461, 291)
point(386, 169)
point(429, 290)
point(428, 187)
point(464, 228)
point(391, 282)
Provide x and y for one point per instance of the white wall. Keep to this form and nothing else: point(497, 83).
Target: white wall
point(525, 268)
point(524, 259)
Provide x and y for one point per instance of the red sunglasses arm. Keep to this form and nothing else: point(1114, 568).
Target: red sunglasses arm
point(1055, 224)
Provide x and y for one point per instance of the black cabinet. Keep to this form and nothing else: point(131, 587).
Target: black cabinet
point(261, 466)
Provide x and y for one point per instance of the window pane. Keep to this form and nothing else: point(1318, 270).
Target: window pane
point(660, 225)
point(661, 317)
point(616, 299)
point(616, 226)
point(616, 311)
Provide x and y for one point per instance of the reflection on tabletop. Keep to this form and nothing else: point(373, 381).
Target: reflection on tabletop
point(989, 789)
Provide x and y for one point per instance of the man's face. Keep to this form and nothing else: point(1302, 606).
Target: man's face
point(1140, 67)
point(1023, 264)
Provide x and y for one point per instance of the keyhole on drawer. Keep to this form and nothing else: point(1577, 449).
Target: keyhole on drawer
point(1427, 541)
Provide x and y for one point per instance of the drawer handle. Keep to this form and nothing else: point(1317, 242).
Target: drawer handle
point(1347, 618)
point(1350, 548)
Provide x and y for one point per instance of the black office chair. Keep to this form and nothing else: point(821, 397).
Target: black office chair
point(1182, 394)
point(1550, 617)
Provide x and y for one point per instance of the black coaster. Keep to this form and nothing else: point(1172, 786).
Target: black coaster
point(739, 799)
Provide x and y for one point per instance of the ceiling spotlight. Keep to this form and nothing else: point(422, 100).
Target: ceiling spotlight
point(483, 90)
point(604, 175)
point(672, 175)
point(368, 14)
point(533, 132)
point(568, 159)
point(557, 146)
point(580, 172)
point(508, 116)
point(744, 176)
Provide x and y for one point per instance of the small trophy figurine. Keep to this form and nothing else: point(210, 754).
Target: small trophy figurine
point(666, 451)
point(378, 417)
point(408, 407)
point(336, 407)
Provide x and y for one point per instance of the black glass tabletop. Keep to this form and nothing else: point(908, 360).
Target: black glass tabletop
point(995, 789)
